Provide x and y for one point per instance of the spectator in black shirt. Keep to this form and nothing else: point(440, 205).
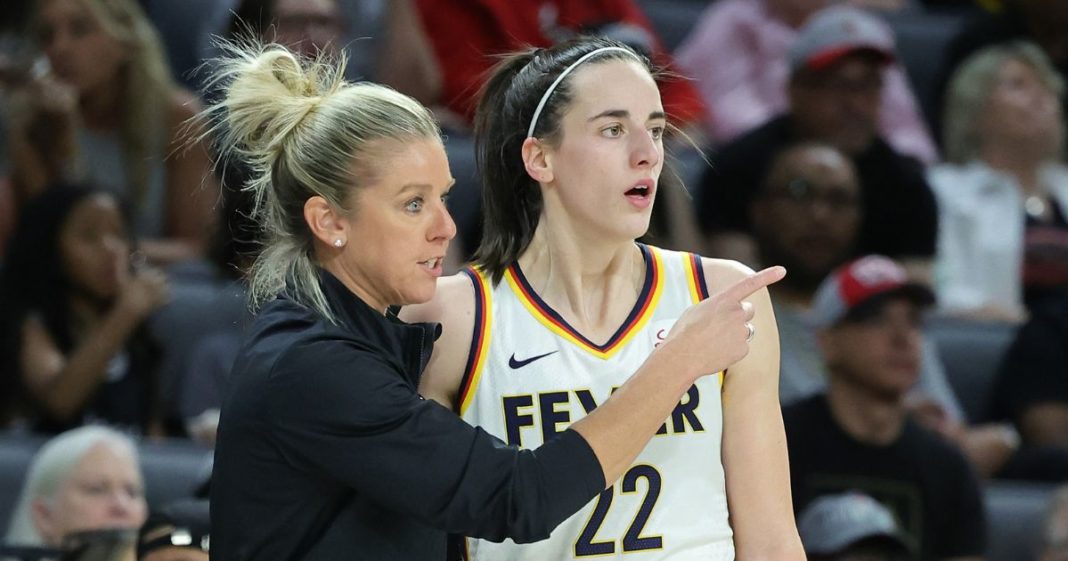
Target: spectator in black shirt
point(835, 90)
point(325, 449)
point(1032, 384)
point(859, 435)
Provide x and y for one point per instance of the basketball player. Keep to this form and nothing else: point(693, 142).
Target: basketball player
point(562, 306)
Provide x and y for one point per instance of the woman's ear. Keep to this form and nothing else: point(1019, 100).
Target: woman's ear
point(325, 222)
point(537, 160)
point(44, 521)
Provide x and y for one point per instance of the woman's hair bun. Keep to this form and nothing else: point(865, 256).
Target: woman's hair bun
point(267, 93)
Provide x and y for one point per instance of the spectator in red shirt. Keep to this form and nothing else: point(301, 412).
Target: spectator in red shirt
point(466, 34)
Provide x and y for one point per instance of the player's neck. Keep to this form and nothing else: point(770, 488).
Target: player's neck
point(592, 284)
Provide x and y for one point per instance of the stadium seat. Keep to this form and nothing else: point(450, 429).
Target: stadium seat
point(173, 469)
point(1015, 512)
point(16, 452)
point(971, 353)
point(197, 308)
point(922, 39)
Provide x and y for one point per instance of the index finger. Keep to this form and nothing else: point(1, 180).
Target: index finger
point(747, 286)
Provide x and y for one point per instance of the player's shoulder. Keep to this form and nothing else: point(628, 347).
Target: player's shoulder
point(460, 285)
point(716, 273)
point(453, 297)
point(721, 273)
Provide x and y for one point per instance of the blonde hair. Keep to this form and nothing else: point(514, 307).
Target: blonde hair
point(51, 467)
point(970, 88)
point(147, 89)
point(303, 131)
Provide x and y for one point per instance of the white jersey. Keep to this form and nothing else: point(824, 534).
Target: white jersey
point(530, 375)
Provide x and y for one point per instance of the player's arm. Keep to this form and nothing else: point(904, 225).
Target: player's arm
point(754, 443)
point(453, 306)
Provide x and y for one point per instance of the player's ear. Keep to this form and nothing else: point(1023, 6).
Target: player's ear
point(537, 160)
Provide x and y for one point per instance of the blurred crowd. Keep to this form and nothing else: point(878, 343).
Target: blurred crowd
point(908, 194)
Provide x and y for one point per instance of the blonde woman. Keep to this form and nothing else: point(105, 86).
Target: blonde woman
point(82, 480)
point(1004, 138)
point(109, 110)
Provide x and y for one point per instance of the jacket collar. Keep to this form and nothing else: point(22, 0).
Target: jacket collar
point(408, 344)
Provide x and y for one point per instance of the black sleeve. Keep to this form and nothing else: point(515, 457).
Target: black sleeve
point(348, 415)
point(1032, 370)
point(964, 514)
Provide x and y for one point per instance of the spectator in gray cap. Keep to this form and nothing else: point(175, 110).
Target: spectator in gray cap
point(836, 86)
point(852, 526)
point(842, 47)
point(737, 55)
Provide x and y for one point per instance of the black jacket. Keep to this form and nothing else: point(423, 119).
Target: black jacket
point(326, 450)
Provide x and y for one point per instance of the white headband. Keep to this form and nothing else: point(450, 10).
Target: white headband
point(560, 78)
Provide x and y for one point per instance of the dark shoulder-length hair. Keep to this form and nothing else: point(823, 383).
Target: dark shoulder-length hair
point(511, 199)
point(33, 280)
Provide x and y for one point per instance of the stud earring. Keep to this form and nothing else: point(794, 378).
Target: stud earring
point(338, 243)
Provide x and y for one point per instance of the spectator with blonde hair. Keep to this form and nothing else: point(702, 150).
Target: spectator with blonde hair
point(1004, 136)
point(109, 109)
point(84, 479)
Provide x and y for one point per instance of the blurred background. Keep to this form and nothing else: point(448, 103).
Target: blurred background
point(810, 133)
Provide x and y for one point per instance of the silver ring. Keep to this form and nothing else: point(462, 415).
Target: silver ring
point(752, 332)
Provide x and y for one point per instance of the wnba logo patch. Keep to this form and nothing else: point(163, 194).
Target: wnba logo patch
point(660, 330)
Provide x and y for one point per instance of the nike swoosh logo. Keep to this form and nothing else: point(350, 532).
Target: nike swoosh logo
point(516, 364)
